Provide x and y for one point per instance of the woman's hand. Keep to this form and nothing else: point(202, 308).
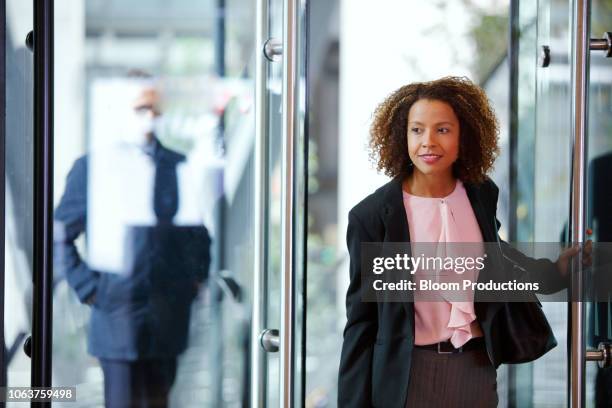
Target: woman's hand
point(569, 253)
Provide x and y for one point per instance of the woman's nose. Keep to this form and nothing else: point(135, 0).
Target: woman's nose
point(428, 139)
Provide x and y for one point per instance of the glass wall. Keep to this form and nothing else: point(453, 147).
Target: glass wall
point(19, 191)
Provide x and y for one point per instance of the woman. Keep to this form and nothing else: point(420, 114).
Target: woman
point(437, 140)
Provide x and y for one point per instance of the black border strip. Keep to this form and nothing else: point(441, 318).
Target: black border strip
point(3, 361)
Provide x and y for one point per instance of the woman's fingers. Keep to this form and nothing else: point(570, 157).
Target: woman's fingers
point(567, 254)
point(586, 253)
point(587, 249)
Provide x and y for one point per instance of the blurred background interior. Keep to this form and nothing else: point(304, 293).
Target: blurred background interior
point(355, 53)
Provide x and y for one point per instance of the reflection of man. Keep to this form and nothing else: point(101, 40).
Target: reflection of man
point(140, 311)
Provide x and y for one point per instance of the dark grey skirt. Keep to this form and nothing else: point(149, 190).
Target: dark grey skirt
point(466, 379)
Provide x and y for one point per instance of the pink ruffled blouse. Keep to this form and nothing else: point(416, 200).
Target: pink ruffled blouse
point(449, 219)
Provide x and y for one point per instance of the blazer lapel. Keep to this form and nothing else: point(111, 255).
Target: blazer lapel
point(488, 229)
point(474, 193)
point(396, 223)
point(396, 227)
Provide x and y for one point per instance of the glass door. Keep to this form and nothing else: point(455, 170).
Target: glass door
point(159, 151)
point(534, 169)
point(17, 166)
point(590, 348)
point(562, 134)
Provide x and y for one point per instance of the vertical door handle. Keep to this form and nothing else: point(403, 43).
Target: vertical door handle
point(579, 116)
point(259, 318)
point(289, 121)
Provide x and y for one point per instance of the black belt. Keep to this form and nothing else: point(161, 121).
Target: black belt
point(446, 347)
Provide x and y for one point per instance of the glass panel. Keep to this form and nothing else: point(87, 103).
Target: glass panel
point(528, 19)
point(358, 54)
point(599, 315)
point(301, 221)
point(325, 300)
point(154, 206)
point(19, 192)
point(544, 178)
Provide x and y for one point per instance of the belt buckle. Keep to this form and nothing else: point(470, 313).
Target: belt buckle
point(455, 350)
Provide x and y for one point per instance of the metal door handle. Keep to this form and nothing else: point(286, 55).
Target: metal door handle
point(269, 340)
point(290, 103)
point(603, 355)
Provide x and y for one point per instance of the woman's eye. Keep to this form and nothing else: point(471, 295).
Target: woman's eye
point(443, 130)
point(415, 130)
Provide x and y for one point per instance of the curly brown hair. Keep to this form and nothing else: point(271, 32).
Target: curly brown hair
point(479, 127)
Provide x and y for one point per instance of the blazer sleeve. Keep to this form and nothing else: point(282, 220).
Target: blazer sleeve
point(355, 373)
point(541, 270)
point(70, 220)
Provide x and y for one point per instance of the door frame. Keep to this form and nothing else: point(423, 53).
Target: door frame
point(3, 351)
point(42, 299)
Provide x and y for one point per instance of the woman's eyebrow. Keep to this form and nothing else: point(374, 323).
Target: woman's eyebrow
point(439, 123)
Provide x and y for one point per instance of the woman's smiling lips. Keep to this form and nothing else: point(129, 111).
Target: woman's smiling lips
point(430, 158)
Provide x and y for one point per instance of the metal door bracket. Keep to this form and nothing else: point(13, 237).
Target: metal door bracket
point(603, 355)
point(602, 44)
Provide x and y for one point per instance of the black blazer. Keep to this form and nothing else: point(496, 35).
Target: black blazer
point(379, 337)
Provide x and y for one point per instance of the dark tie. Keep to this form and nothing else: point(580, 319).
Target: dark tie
point(165, 187)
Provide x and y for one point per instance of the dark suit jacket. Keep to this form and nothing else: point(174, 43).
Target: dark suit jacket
point(145, 313)
point(379, 337)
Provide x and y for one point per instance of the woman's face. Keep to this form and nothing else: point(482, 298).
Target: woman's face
point(433, 137)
